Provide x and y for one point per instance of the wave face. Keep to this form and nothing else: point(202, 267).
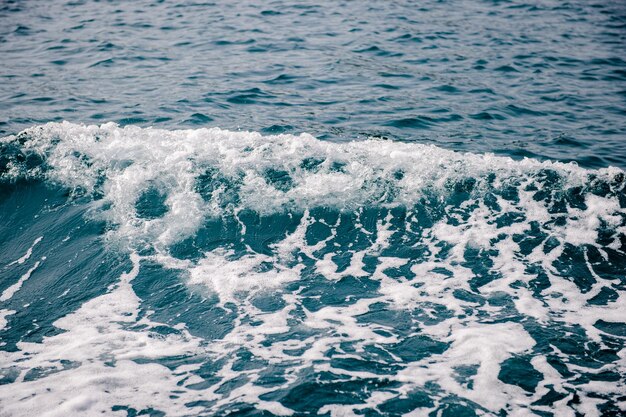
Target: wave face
point(206, 271)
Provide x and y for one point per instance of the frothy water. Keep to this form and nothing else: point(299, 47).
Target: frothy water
point(206, 271)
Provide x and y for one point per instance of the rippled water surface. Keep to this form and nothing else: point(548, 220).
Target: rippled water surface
point(542, 79)
point(313, 208)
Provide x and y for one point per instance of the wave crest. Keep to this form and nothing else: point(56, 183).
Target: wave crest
point(161, 185)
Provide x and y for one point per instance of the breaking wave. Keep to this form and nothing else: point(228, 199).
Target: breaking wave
point(347, 278)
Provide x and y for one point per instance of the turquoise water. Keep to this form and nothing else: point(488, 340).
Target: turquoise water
point(334, 208)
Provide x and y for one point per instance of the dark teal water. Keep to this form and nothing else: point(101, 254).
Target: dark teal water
point(331, 208)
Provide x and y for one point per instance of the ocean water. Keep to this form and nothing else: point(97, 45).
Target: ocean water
point(340, 208)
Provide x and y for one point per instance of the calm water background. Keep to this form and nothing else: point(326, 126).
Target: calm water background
point(543, 79)
point(364, 268)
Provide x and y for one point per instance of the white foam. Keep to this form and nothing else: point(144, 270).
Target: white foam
point(97, 339)
point(484, 345)
point(128, 161)
point(131, 159)
point(4, 313)
point(28, 253)
point(10, 291)
point(227, 277)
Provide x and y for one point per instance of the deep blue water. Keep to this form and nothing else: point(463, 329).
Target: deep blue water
point(313, 208)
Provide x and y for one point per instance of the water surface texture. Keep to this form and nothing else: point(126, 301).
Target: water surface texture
point(329, 208)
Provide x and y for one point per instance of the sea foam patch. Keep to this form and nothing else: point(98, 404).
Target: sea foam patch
point(185, 175)
point(347, 278)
